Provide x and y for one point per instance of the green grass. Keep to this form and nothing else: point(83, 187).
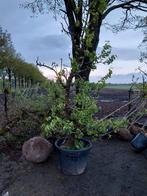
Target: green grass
point(119, 86)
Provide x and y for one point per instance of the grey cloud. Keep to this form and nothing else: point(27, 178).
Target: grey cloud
point(51, 42)
point(120, 78)
point(50, 48)
point(125, 78)
point(31, 35)
point(26, 32)
point(126, 54)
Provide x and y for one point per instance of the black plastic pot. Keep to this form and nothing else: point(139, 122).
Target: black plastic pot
point(73, 162)
point(139, 142)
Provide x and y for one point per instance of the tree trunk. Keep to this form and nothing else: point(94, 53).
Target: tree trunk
point(9, 77)
point(19, 82)
point(15, 82)
point(25, 82)
point(6, 103)
point(22, 82)
point(85, 67)
point(28, 83)
point(31, 82)
point(85, 72)
point(79, 49)
point(4, 82)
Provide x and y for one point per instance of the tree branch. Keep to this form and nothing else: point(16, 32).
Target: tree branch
point(125, 5)
point(52, 69)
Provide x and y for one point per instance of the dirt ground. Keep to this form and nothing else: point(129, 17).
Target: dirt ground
point(111, 99)
point(108, 99)
point(114, 169)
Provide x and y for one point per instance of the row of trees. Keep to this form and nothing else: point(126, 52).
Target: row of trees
point(13, 68)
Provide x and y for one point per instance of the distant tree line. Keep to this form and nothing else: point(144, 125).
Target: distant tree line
point(14, 70)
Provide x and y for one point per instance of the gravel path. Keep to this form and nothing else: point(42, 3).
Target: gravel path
point(114, 169)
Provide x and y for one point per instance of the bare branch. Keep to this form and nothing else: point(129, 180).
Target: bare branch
point(142, 71)
point(52, 68)
point(126, 5)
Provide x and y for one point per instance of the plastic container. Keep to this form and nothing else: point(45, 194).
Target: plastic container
point(73, 162)
point(139, 142)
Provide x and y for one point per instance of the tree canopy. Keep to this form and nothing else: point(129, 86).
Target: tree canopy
point(83, 20)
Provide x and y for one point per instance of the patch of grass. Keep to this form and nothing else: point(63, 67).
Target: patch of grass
point(119, 86)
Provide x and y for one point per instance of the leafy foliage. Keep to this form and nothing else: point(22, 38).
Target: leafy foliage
point(82, 22)
point(81, 121)
point(12, 64)
point(72, 113)
point(27, 109)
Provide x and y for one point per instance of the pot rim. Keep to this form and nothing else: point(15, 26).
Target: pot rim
point(71, 150)
point(141, 133)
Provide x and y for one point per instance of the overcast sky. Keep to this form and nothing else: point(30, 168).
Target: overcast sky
point(41, 36)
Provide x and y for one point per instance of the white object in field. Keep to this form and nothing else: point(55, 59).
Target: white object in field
point(6, 194)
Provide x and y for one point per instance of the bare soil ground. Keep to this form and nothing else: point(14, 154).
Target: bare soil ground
point(111, 99)
point(114, 169)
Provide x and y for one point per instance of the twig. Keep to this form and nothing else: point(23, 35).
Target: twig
point(139, 106)
point(142, 71)
point(109, 115)
point(135, 121)
point(132, 109)
point(53, 69)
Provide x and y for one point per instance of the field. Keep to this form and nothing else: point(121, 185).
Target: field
point(119, 86)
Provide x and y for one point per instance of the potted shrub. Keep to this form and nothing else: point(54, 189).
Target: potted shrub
point(71, 117)
point(72, 124)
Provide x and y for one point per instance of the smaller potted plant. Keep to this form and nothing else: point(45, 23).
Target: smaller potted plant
point(139, 129)
point(139, 142)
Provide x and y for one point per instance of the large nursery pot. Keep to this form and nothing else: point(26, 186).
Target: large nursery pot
point(139, 142)
point(73, 162)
